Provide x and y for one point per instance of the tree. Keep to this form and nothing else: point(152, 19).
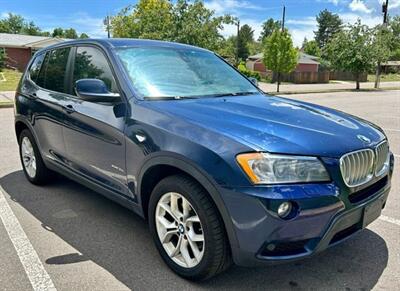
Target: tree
point(2, 58)
point(70, 33)
point(150, 19)
point(311, 47)
point(58, 32)
point(352, 50)
point(30, 28)
point(394, 26)
point(328, 25)
point(268, 28)
point(382, 49)
point(246, 33)
point(83, 35)
point(280, 56)
point(194, 24)
point(190, 23)
point(13, 23)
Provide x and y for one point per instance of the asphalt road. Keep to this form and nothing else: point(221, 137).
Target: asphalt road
point(82, 241)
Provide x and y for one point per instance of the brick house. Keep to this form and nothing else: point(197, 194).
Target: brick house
point(19, 48)
point(306, 63)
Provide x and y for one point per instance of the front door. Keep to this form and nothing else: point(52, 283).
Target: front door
point(94, 132)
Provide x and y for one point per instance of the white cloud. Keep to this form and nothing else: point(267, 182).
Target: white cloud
point(298, 35)
point(229, 6)
point(351, 18)
point(359, 5)
point(230, 30)
point(92, 26)
point(308, 21)
point(394, 4)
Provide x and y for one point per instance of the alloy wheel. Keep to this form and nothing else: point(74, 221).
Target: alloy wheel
point(28, 157)
point(179, 230)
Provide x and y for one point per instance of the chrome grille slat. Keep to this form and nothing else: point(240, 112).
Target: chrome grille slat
point(382, 158)
point(359, 167)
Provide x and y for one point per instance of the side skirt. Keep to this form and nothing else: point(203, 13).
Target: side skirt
point(87, 182)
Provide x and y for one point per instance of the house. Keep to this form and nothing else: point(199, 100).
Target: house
point(306, 63)
point(19, 48)
point(391, 67)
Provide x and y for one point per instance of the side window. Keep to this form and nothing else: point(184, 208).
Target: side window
point(41, 77)
point(34, 70)
point(55, 70)
point(90, 63)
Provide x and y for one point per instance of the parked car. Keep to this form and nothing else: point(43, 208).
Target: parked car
point(222, 172)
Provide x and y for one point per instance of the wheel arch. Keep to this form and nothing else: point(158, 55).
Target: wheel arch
point(151, 173)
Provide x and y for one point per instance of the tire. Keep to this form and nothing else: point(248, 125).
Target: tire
point(215, 250)
point(41, 174)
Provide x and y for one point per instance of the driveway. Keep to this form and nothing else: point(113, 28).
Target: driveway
point(79, 240)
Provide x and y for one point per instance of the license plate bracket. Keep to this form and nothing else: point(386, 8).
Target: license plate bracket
point(372, 212)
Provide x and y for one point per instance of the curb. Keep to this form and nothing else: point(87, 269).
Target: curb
point(332, 91)
point(6, 104)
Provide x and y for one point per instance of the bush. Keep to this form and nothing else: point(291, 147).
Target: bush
point(250, 74)
point(2, 59)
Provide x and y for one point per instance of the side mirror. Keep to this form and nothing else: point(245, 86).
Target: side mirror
point(94, 90)
point(254, 81)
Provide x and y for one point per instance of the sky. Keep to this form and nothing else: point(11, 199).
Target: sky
point(87, 15)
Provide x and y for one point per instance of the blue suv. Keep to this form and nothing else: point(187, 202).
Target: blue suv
point(221, 171)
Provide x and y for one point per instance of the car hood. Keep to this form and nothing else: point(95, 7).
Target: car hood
point(276, 125)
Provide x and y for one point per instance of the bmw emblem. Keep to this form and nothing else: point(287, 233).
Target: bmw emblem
point(363, 138)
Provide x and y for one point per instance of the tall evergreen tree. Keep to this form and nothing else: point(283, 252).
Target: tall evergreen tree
point(328, 25)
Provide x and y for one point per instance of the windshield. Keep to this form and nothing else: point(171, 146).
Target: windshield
point(180, 73)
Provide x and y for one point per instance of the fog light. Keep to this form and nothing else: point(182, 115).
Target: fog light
point(284, 209)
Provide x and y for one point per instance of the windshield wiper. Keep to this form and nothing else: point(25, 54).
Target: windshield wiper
point(233, 94)
point(169, 97)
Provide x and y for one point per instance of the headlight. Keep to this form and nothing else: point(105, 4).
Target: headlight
point(263, 168)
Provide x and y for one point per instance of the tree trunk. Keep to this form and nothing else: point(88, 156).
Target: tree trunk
point(278, 83)
point(357, 81)
point(378, 76)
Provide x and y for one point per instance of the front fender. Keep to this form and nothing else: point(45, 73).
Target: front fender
point(206, 181)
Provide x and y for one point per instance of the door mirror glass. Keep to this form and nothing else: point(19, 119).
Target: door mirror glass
point(94, 90)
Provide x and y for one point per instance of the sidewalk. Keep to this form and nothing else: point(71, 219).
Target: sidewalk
point(7, 96)
point(330, 87)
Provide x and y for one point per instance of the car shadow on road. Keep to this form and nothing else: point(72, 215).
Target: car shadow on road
point(119, 241)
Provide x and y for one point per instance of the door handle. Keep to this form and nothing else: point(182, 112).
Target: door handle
point(69, 108)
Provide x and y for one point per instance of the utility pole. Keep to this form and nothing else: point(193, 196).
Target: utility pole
point(106, 22)
point(237, 42)
point(283, 28)
point(385, 8)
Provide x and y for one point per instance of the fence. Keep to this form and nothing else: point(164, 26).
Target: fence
point(347, 76)
point(304, 77)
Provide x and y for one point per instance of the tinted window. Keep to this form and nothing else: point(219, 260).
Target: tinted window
point(55, 71)
point(42, 72)
point(35, 67)
point(90, 63)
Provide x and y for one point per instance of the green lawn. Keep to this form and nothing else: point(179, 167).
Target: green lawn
point(12, 79)
point(385, 78)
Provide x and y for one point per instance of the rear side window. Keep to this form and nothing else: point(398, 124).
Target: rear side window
point(91, 63)
point(55, 71)
point(35, 68)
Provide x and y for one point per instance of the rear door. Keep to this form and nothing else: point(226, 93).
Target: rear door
point(45, 88)
point(94, 132)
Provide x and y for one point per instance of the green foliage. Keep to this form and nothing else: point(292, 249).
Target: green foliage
point(83, 35)
point(279, 54)
point(16, 24)
point(268, 28)
point(352, 50)
point(67, 33)
point(2, 59)
point(251, 74)
point(311, 47)
point(13, 23)
point(394, 26)
point(328, 25)
point(185, 22)
point(382, 44)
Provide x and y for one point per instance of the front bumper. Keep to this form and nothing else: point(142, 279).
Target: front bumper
point(325, 218)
